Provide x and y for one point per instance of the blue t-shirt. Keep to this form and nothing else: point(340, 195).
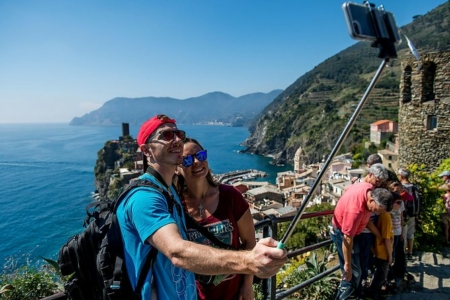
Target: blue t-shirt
point(140, 215)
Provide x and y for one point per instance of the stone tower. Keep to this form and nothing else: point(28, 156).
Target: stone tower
point(300, 159)
point(424, 111)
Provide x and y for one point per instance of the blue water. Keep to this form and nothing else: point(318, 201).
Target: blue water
point(46, 179)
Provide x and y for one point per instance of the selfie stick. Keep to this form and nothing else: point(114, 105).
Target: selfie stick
point(387, 50)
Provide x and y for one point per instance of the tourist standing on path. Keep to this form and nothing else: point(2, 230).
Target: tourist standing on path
point(222, 210)
point(445, 176)
point(146, 222)
point(367, 236)
point(410, 224)
point(445, 217)
point(351, 216)
point(383, 254)
point(398, 269)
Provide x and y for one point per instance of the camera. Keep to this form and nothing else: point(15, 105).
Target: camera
point(365, 22)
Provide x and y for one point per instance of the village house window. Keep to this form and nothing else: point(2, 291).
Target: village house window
point(431, 122)
point(428, 76)
point(407, 84)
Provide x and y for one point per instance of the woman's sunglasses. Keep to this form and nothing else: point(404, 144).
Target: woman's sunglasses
point(169, 135)
point(188, 160)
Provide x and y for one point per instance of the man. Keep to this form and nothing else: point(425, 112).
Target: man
point(411, 211)
point(376, 159)
point(351, 216)
point(146, 221)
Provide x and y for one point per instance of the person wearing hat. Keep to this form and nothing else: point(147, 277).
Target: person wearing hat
point(445, 217)
point(445, 176)
point(146, 221)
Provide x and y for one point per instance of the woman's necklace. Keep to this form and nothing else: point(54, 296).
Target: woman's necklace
point(200, 207)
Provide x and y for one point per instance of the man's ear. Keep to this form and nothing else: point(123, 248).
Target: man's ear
point(144, 148)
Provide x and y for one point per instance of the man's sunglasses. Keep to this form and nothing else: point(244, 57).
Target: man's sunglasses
point(188, 160)
point(169, 135)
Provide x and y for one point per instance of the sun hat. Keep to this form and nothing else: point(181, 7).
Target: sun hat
point(445, 173)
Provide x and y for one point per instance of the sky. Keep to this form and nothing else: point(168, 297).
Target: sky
point(61, 59)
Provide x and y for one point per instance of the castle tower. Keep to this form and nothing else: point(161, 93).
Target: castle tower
point(424, 110)
point(125, 129)
point(300, 159)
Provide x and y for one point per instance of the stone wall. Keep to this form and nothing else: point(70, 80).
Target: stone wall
point(424, 112)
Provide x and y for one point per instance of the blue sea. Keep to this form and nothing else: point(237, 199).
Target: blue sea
point(46, 179)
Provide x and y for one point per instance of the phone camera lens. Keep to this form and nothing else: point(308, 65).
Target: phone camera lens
point(356, 28)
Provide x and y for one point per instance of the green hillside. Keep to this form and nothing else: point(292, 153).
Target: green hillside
point(313, 111)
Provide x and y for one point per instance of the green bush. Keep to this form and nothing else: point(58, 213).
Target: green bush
point(429, 234)
point(27, 283)
point(295, 274)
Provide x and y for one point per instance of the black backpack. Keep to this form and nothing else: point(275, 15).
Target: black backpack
point(412, 208)
point(94, 258)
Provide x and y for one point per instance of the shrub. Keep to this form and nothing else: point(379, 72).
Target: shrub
point(27, 283)
point(429, 231)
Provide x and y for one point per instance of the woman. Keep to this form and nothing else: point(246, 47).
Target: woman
point(222, 210)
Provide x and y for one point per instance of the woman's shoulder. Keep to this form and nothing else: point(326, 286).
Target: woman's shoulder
point(229, 191)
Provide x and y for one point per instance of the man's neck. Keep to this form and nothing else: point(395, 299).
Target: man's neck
point(165, 171)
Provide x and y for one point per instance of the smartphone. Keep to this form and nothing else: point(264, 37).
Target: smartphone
point(365, 22)
point(359, 21)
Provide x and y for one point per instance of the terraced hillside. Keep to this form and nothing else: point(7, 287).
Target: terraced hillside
point(313, 111)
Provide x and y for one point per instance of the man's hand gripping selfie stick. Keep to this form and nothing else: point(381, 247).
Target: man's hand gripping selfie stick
point(387, 50)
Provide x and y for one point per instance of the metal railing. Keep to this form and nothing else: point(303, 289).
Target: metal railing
point(269, 226)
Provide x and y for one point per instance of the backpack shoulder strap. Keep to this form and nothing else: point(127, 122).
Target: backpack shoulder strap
point(146, 268)
point(190, 221)
point(143, 183)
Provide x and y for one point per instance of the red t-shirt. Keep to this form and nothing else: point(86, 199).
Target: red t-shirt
point(351, 214)
point(223, 224)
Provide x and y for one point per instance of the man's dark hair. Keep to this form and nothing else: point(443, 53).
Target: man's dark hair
point(383, 198)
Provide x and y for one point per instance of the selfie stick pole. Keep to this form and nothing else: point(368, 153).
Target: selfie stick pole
point(342, 137)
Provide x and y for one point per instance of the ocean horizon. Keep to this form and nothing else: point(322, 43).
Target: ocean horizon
point(47, 172)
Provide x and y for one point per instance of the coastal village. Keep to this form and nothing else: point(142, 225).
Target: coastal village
point(286, 195)
point(423, 123)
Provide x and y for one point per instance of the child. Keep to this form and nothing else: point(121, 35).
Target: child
point(397, 214)
point(383, 253)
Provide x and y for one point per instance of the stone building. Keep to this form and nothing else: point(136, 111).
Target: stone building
point(424, 111)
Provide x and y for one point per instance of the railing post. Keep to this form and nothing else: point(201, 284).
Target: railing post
point(269, 285)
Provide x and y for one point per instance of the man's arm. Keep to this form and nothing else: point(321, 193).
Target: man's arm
point(347, 247)
point(246, 230)
point(263, 261)
point(373, 229)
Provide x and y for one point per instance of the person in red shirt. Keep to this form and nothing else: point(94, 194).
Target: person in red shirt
point(351, 216)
